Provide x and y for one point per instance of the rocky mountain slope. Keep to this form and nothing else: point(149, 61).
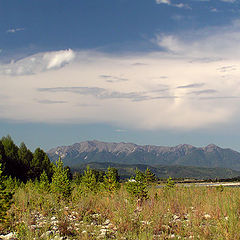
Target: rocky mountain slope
point(210, 156)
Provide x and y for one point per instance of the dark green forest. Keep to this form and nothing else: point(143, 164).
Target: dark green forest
point(21, 163)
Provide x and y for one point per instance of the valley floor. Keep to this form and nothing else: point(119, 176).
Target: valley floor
point(168, 213)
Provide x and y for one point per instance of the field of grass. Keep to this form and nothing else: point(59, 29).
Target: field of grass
point(167, 213)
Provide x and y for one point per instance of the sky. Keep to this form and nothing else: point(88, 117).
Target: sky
point(161, 72)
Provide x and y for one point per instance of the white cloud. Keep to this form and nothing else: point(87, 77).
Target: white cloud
point(229, 1)
point(163, 1)
point(193, 83)
point(14, 30)
point(58, 59)
point(37, 63)
point(168, 2)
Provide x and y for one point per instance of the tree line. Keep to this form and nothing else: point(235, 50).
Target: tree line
point(21, 163)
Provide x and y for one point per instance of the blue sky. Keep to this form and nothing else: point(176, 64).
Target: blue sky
point(161, 72)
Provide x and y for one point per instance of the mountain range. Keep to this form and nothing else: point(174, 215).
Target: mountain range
point(124, 155)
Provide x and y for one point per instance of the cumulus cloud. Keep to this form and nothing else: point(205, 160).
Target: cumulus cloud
point(215, 43)
point(37, 63)
point(193, 81)
point(58, 59)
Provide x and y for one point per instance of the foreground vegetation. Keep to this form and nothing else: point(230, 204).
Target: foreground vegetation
point(88, 209)
point(50, 203)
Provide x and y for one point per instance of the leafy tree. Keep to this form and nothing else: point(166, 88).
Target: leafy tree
point(150, 176)
point(111, 180)
point(5, 198)
point(60, 182)
point(137, 186)
point(89, 180)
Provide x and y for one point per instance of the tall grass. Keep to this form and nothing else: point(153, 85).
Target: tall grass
point(176, 213)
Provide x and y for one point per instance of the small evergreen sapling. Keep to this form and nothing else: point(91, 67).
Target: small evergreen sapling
point(89, 180)
point(111, 180)
point(137, 187)
point(170, 183)
point(150, 176)
point(5, 198)
point(44, 182)
point(60, 182)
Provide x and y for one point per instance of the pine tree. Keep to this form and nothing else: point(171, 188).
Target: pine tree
point(111, 180)
point(137, 186)
point(5, 198)
point(150, 176)
point(170, 183)
point(60, 185)
point(89, 180)
point(44, 182)
point(25, 157)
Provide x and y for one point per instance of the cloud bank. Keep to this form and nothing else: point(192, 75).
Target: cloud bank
point(193, 81)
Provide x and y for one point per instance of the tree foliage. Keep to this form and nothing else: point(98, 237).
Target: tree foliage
point(21, 163)
point(60, 185)
point(5, 198)
point(111, 180)
point(150, 176)
point(89, 180)
point(137, 186)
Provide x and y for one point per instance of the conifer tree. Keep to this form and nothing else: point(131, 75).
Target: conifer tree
point(5, 198)
point(137, 186)
point(89, 180)
point(111, 180)
point(150, 176)
point(44, 182)
point(60, 182)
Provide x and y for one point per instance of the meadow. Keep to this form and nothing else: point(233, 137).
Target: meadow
point(173, 212)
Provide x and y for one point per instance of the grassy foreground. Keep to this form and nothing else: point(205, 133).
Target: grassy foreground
point(175, 213)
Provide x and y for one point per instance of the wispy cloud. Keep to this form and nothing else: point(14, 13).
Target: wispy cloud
point(180, 86)
point(47, 101)
point(14, 30)
point(178, 5)
point(113, 79)
point(205, 91)
point(228, 1)
point(194, 85)
point(120, 130)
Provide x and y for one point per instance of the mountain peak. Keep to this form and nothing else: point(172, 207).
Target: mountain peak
point(130, 153)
